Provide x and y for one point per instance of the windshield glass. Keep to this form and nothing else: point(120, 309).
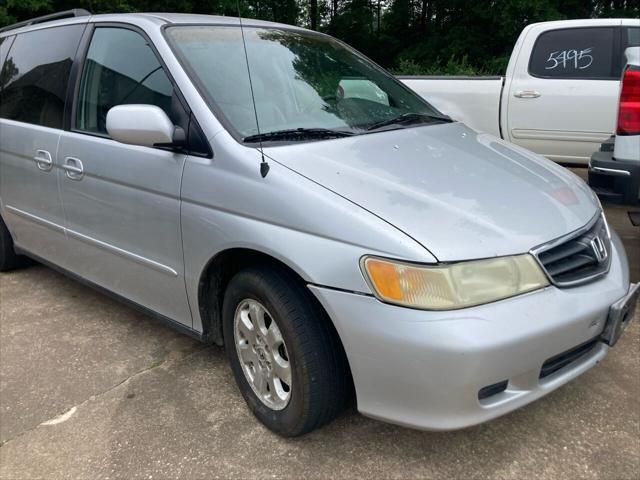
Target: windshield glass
point(301, 80)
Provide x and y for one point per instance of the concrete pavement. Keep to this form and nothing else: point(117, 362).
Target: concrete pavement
point(90, 388)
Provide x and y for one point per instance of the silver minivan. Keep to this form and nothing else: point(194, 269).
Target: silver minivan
point(267, 188)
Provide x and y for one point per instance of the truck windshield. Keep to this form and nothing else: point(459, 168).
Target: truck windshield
point(302, 82)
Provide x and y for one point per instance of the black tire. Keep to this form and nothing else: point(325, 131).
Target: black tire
point(8, 258)
point(320, 376)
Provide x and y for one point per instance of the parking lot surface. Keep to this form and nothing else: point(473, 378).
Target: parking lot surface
point(90, 388)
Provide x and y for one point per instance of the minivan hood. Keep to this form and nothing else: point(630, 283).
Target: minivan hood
point(459, 193)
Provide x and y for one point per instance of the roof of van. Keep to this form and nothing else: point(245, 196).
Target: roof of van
point(158, 18)
point(199, 18)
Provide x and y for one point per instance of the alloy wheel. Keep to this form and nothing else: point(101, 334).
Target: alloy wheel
point(262, 353)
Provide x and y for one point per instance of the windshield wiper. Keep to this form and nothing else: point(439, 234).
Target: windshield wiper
point(296, 134)
point(409, 118)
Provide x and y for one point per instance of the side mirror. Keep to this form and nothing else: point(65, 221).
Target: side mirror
point(144, 125)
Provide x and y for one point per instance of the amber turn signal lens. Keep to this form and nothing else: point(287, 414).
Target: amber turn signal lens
point(385, 278)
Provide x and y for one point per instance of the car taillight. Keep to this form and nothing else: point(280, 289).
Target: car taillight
point(629, 108)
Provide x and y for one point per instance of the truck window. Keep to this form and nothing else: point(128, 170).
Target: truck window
point(632, 37)
point(575, 53)
point(120, 69)
point(35, 75)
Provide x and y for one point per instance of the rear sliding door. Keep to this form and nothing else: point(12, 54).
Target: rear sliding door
point(33, 89)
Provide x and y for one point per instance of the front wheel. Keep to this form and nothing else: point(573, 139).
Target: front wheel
point(286, 360)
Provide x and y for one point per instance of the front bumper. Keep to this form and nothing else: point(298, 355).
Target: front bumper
point(425, 369)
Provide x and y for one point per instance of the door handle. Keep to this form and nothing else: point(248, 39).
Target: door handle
point(527, 94)
point(43, 160)
point(73, 168)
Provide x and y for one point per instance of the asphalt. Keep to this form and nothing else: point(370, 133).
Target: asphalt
point(90, 388)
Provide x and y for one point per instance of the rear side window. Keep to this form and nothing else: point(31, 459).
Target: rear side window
point(35, 75)
point(120, 68)
point(5, 43)
point(575, 53)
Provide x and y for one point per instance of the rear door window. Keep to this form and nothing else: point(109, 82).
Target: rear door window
point(35, 75)
point(576, 53)
point(5, 44)
point(120, 68)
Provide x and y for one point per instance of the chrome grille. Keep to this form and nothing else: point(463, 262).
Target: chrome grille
point(578, 258)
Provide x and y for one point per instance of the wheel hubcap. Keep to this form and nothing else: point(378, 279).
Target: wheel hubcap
point(263, 354)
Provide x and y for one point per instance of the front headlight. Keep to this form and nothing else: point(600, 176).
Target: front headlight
point(455, 285)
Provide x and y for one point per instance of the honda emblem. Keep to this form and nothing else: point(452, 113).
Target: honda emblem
point(599, 249)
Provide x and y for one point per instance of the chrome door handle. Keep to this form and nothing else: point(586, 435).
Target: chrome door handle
point(527, 94)
point(73, 168)
point(43, 160)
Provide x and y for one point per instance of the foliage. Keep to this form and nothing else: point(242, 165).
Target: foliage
point(453, 66)
point(461, 37)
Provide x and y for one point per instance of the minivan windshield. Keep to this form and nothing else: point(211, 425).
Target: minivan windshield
point(306, 85)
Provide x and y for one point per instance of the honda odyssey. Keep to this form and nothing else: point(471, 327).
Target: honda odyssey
point(269, 189)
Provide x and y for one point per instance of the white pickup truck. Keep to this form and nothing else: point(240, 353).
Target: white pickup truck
point(559, 96)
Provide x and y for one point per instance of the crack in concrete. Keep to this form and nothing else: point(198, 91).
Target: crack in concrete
point(171, 358)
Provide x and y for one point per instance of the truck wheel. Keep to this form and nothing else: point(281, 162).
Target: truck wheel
point(286, 360)
point(8, 258)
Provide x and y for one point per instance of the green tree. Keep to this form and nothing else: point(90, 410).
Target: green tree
point(425, 36)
